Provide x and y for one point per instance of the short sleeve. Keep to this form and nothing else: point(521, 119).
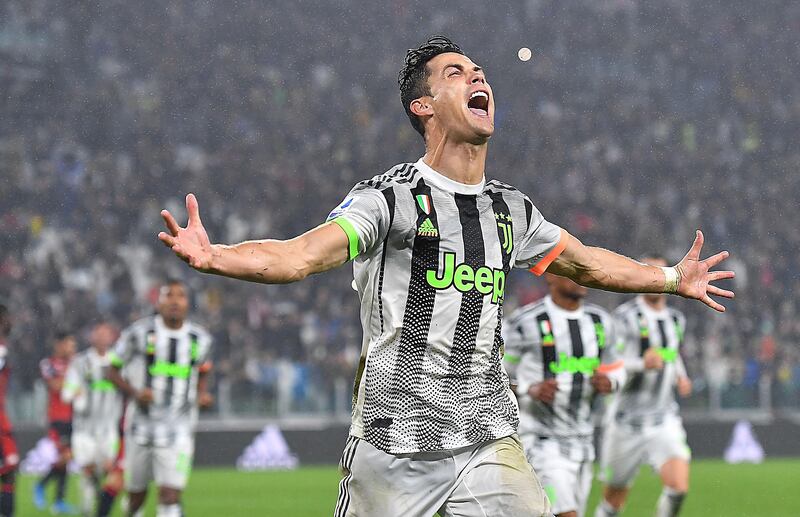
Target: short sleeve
point(204, 360)
point(364, 217)
point(542, 244)
point(72, 382)
point(124, 349)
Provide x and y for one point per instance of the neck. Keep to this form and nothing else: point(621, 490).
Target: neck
point(565, 302)
point(658, 303)
point(460, 161)
point(172, 323)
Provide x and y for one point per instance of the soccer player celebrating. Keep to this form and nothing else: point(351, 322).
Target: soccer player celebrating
point(59, 415)
point(646, 427)
point(432, 243)
point(559, 357)
point(96, 411)
point(166, 359)
point(9, 458)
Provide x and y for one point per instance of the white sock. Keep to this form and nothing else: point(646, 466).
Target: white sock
point(139, 512)
point(669, 504)
point(168, 510)
point(88, 494)
point(605, 510)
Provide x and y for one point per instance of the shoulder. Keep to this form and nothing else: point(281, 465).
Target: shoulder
point(677, 315)
point(596, 310)
point(198, 330)
point(528, 313)
point(141, 325)
point(498, 185)
point(626, 309)
point(402, 175)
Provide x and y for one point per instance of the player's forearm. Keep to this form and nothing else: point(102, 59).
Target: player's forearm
point(116, 378)
point(600, 268)
point(273, 261)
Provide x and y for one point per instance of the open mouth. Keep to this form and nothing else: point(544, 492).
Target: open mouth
point(478, 103)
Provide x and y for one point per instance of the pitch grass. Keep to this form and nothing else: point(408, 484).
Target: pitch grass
point(772, 488)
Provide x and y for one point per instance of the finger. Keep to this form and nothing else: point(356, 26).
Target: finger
point(193, 209)
point(716, 291)
point(172, 225)
point(167, 239)
point(720, 275)
point(711, 303)
point(694, 251)
point(716, 259)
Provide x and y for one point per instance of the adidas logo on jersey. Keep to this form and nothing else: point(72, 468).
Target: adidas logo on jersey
point(427, 229)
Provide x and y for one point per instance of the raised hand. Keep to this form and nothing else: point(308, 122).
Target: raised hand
point(190, 244)
point(695, 277)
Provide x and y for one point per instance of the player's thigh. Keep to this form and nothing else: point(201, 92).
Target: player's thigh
point(172, 465)
point(138, 466)
point(84, 449)
point(558, 475)
point(667, 442)
point(499, 482)
point(375, 482)
point(108, 444)
point(623, 452)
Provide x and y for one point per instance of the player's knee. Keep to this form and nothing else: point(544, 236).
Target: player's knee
point(615, 496)
point(169, 495)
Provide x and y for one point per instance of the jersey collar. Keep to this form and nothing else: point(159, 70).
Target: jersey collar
point(551, 306)
point(443, 182)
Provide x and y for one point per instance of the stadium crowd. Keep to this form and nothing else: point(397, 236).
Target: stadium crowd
point(633, 124)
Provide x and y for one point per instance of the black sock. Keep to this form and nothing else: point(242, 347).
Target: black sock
point(105, 502)
point(7, 495)
point(61, 487)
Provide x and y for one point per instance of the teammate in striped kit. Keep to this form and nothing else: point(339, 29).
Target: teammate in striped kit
point(645, 426)
point(434, 422)
point(166, 360)
point(559, 357)
point(9, 457)
point(96, 412)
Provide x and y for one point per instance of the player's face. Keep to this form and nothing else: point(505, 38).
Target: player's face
point(66, 347)
point(565, 287)
point(102, 337)
point(173, 302)
point(462, 100)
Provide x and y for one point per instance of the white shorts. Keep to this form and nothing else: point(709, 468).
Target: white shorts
point(491, 479)
point(626, 448)
point(99, 449)
point(567, 481)
point(167, 466)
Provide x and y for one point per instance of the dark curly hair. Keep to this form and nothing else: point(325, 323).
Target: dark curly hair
point(413, 77)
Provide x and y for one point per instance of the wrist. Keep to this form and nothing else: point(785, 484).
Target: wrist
point(672, 279)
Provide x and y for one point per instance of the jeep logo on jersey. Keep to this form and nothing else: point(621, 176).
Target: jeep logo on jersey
point(569, 364)
point(465, 278)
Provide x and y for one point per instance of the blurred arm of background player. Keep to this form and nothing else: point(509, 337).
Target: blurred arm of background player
point(610, 375)
point(265, 261)
point(603, 269)
point(143, 396)
point(684, 383)
point(204, 397)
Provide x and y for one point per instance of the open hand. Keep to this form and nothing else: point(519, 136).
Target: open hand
point(695, 278)
point(190, 244)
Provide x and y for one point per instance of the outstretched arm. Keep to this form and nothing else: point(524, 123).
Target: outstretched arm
point(264, 261)
point(603, 269)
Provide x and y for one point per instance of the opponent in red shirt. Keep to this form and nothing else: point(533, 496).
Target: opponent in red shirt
point(9, 458)
point(59, 415)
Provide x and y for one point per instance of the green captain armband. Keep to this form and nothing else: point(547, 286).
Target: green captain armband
point(352, 236)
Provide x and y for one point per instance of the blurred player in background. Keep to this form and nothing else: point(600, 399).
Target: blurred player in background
point(559, 354)
point(434, 423)
point(59, 416)
point(167, 360)
point(9, 457)
point(96, 412)
point(645, 427)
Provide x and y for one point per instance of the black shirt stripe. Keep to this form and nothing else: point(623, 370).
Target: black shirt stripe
point(576, 394)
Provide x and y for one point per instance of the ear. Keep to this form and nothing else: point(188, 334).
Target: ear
point(422, 107)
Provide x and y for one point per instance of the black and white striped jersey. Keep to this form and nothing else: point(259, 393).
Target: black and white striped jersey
point(431, 258)
point(648, 394)
point(96, 403)
point(545, 341)
point(169, 362)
